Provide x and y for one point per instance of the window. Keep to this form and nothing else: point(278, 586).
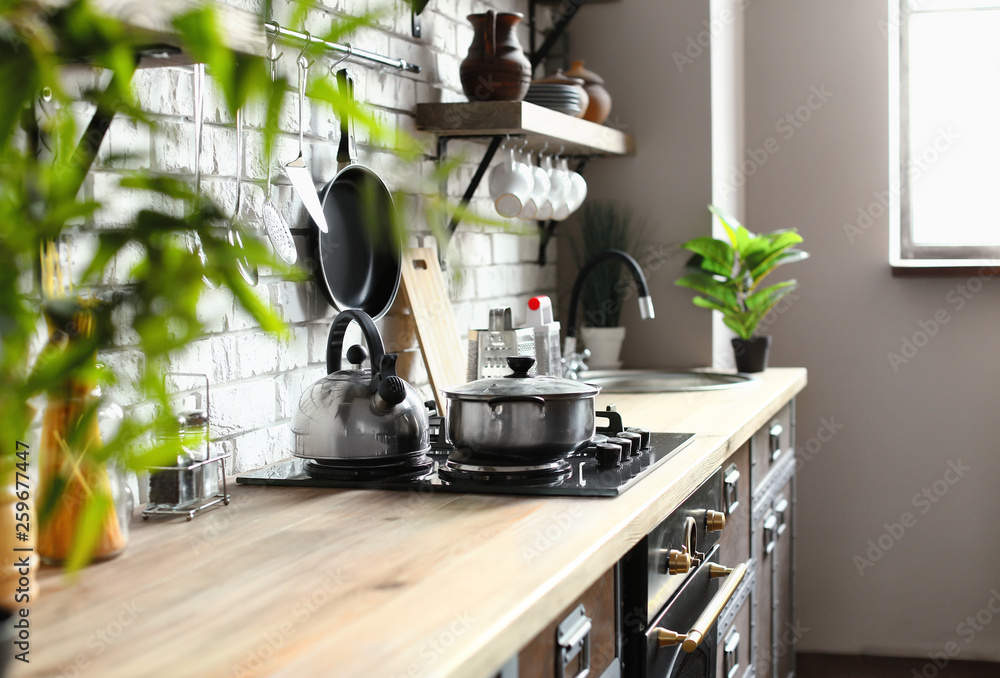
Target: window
point(945, 134)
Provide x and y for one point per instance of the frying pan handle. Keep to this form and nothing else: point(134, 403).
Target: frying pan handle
point(347, 153)
point(335, 344)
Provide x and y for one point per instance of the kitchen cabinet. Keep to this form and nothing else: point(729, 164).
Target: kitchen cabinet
point(773, 549)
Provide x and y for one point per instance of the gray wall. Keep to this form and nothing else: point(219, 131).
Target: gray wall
point(897, 428)
point(669, 181)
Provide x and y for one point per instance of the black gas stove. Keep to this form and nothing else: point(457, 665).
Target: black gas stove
point(616, 458)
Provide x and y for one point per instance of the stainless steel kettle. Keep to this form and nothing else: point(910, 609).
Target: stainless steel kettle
point(360, 414)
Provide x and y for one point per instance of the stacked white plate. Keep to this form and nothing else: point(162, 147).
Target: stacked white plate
point(562, 98)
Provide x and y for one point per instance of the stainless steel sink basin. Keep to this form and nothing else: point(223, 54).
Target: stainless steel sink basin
point(647, 381)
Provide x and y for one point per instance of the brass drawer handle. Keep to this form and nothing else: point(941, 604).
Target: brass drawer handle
point(690, 641)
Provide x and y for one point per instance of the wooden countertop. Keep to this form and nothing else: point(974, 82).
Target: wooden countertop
point(306, 581)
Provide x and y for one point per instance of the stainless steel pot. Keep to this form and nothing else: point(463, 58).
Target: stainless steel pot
point(354, 415)
point(521, 418)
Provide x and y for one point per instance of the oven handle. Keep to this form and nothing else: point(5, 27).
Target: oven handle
point(701, 627)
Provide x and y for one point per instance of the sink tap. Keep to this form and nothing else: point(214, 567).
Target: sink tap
point(572, 359)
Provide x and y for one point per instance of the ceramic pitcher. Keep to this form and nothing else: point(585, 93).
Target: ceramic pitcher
point(495, 68)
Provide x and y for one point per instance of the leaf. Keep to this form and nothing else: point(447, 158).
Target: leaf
point(736, 326)
point(709, 286)
point(717, 256)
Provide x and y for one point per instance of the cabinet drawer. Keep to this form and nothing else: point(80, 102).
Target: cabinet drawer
point(544, 655)
point(734, 542)
point(772, 444)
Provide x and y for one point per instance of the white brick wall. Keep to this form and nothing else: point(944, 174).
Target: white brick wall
point(257, 379)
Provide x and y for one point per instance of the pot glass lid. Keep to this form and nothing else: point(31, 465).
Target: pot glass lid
point(519, 383)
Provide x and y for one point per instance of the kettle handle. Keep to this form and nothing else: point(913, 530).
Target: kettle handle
point(335, 344)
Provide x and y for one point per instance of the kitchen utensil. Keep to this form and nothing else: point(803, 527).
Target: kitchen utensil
point(600, 101)
point(578, 191)
point(274, 224)
point(543, 179)
point(544, 87)
point(198, 86)
point(561, 184)
point(248, 271)
point(547, 352)
point(540, 187)
point(520, 419)
point(495, 68)
point(490, 348)
point(360, 255)
point(437, 332)
point(360, 414)
point(296, 170)
point(510, 185)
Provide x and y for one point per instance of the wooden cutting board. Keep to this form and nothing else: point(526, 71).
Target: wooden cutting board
point(427, 295)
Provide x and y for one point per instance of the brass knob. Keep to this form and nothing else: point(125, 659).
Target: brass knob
point(716, 571)
point(666, 637)
point(715, 521)
point(678, 562)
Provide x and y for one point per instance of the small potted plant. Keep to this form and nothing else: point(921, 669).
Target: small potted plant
point(604, 225)
point(728, 277)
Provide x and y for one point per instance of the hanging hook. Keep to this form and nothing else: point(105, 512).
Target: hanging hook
point(272, 47)
point(350, 53)
point(301, 59)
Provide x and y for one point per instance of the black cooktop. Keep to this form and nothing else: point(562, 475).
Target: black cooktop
point(580, 476)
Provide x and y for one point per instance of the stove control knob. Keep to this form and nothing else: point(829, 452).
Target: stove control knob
point(636, 441)
point(678, 562)
point(608, 455)
point(667, 638)
point(644, 433)
point(716, 571)
point(715, 521)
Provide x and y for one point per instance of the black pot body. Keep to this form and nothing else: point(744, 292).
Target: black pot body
point(751, 354)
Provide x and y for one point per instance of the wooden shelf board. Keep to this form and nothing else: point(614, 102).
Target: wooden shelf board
point(538, 124)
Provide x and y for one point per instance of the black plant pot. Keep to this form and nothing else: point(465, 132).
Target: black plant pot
point(751, 354)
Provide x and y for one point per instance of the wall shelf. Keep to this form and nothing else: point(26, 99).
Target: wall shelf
point(518, 118)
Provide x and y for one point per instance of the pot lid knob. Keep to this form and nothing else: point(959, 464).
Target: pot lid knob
point(520, 365)
point(356, 355)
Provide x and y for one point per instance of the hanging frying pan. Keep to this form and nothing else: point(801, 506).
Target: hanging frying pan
point(359, 258)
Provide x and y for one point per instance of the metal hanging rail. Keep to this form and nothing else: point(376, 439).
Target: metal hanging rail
point(274, 29)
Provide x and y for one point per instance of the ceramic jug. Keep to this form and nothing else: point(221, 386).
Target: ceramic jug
point(600, 101)
point(495, 68)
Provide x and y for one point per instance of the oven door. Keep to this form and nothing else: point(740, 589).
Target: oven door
point(681, 641)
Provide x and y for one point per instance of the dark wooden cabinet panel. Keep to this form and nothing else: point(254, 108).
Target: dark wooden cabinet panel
point(538, 658)
point(734, 542)
point(785, 630)
point(772, 444)
point(734, 647)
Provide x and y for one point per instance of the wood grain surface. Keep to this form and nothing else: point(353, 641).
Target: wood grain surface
point(314, 582)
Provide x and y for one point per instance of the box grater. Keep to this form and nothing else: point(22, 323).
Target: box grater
point(490, 348)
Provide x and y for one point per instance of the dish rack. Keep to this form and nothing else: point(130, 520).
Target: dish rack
point(191, 476)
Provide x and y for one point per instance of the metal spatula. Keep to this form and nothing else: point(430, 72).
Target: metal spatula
point(274, 224)
point(297, 172)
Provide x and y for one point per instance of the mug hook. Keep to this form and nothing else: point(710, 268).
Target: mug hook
point(350, 53)
point(271, 47)
point(301, 58)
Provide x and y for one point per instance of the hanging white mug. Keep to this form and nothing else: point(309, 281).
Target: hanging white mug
point(510, 184)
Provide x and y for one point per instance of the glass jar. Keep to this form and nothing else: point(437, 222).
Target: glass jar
point(85, 487)
point(194, 440)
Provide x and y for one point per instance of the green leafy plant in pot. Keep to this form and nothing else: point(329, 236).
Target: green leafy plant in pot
point(728, 277)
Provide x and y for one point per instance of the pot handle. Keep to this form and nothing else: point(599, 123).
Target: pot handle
point(335, 344)
point(500, 400)
point(347, 153)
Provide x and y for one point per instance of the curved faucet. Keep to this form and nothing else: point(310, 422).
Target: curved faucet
point(573, 360)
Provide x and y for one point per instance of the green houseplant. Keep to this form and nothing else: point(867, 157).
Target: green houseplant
point(604, 225)
point(728, 278)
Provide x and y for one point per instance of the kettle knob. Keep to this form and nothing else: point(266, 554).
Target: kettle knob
point(357, 354)
point(392, 390)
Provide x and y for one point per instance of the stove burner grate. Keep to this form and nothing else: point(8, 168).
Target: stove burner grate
point(464, 468)
point(409, 468)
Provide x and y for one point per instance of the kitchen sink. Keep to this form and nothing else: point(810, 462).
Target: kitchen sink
point(652, 381)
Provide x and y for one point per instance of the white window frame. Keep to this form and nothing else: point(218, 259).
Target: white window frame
point(903, 252)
